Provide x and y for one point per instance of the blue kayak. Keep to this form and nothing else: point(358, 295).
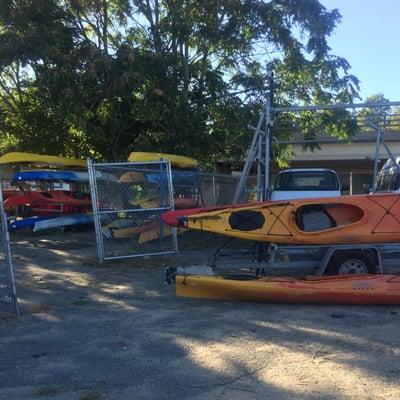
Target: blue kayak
point(68, 176)
point(66, 220)
point(178, 178)
point(28, 222)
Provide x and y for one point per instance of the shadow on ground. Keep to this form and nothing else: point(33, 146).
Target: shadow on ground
point(117, 332)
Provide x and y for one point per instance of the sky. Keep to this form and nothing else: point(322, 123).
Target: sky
point(369, 39)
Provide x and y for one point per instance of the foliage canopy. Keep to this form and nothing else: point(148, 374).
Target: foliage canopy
point(106, 77)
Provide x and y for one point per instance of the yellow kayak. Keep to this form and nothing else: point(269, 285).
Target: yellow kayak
point(338, 289)
point(176, 161)
point(41, 159)
point(132, 177)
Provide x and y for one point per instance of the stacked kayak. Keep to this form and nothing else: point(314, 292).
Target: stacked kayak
point(51, 202)
point(66, 176)
point(43, 209)
point(41, 160)
point(152, 180)
point(178, 177)
point(149, 230)
point(176, 160)
point(26, 223)
point(340, 289)
point(62, 221)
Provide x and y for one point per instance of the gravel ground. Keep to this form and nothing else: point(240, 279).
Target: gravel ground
point(117, 332)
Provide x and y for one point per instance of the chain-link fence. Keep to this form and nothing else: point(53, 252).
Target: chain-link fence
point(219, 189)
point(8, 297)
point(127, 208)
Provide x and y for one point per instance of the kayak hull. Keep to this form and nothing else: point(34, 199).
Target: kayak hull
point(154, 202)
point(68, 220)
point(25, 223)
point(335, 220)
point(51, 202)
point(176, 161)
point(340, 289)
point(129, 231)
point(59, 175)
point(41, 159)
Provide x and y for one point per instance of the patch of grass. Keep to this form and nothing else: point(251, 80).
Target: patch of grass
point(92, 395)
point(48, 390)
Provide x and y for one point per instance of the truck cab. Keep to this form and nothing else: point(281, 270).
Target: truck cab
point(305, 183)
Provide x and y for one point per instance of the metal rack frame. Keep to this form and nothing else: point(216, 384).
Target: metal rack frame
point(259, 153)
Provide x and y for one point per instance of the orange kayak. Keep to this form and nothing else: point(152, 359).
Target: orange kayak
point(339, 289)
point(335, 220)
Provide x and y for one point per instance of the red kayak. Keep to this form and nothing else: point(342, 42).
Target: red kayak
point(51, 202)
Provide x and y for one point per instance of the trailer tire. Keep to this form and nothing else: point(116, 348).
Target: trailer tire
point(352, 262)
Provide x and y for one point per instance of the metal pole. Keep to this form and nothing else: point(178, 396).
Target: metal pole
point(376, 161)
point(259, 171)
point(267, 136)
point(213, 191)
point(351, 184)
point(172, 203)
point(266, 166)
point(249, 161)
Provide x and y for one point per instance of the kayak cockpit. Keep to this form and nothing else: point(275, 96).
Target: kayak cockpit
point(319, 217)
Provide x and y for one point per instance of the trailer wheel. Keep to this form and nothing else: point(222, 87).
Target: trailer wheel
point(352, 262)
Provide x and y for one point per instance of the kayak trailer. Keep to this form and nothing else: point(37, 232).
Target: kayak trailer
point(333, 260)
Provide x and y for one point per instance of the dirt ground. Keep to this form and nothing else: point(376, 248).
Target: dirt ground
point(117, 332)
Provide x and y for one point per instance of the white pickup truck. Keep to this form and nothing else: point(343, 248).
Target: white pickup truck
point(305, 183)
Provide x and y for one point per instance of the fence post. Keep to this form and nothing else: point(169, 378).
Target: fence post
point(95, 209)
point(214, 191)
point(7, 262)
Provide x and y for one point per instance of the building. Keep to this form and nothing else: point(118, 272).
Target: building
point(353, 161)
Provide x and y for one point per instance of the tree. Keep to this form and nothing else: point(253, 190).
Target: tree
point(187, 76)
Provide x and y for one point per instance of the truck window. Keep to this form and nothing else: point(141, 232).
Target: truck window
point(306, 180)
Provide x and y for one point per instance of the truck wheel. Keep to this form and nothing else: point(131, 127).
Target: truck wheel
point(352, 262)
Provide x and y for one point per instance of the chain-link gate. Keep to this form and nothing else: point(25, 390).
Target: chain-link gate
point(8, 296)
point(128, 200)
